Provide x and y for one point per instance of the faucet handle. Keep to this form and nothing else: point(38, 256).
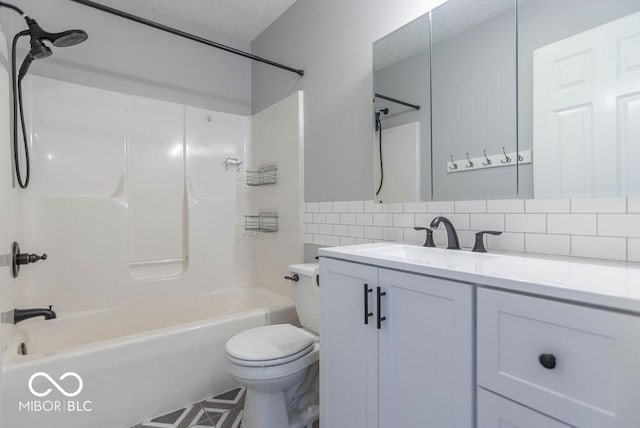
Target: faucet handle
point(429, 242)
point(479, 245)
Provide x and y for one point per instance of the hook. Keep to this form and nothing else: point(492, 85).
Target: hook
point(506, 159)
point(453, 163)
point(520, 157)
point(488, 162)
point(470, 163)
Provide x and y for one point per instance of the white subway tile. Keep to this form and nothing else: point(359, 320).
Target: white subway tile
point(361, 241)
point(505, 206)
point(412, 236)
point(319, 240)
point(326, 229)
point(347, 219)
point(403, 220)
point(415, 207)
point(633, 204)
point(325, 207)
point(333, 241)
point(627, 225)
point(424, 220)
point(313, 228)
point(440, 207)
point(340, 229)
point(599, 205)
point(383, 219)
point(536, 223)
point(347, 240)
point(364, 219)
point(487, 222)
point(470, 206)
point(572, 224)
point(312, 207)
point(333, 218)
point(307, 238)
point(355, 206)
point(373, 232)
point(356, 231)
point(392, 234)
point(340, 206)
point(559, 245)
point(460, 221)
point(393, 208)
point(506, 242)
point(633, 254)
point(308, 217)
point(599, 247)
point(547, 205)
point(467, 238)
point(319, 218)
point(372, 207)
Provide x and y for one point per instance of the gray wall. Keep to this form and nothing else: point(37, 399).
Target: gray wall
point(331, 40)
point(127, 57)
point(474, 106)
point(408, 80)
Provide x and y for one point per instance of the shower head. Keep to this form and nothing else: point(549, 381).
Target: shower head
point(61, 40)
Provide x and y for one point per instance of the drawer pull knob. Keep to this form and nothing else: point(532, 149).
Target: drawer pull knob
point(548, 361)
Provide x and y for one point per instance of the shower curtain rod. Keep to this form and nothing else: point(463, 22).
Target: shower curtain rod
point(394, 100)
point(184, 34)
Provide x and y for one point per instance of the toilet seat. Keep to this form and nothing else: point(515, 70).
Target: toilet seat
point(269, 345)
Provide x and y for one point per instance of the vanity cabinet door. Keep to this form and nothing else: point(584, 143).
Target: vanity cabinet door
point(425, 351)
point(348, 347)
point(497, 412)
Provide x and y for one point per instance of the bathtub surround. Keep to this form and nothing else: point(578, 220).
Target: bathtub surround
point(603, 228)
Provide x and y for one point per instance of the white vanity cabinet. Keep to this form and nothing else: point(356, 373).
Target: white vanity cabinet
point(577, 364)
point(397, 349)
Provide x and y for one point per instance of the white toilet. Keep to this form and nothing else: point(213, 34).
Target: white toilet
point(278, 364)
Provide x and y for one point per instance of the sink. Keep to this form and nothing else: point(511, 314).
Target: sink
point(426, 255)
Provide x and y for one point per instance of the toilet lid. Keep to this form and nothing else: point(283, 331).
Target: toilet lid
point(272, 342)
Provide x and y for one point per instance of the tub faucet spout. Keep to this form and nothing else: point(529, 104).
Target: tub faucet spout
point(25, 314)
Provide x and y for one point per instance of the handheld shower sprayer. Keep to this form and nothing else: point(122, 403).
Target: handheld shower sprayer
point(38, 50)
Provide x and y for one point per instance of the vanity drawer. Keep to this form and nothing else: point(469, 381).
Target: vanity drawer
point(595, 381)
point(497, 412)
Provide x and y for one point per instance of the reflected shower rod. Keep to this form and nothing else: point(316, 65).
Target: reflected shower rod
point(175, 31)
point(397, 101)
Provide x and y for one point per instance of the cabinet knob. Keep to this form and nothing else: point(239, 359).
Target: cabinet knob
point(548, 361)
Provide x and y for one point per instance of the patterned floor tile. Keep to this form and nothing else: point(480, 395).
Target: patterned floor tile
point(221, 411)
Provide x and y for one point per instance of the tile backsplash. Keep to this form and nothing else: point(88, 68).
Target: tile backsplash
point(605, 228)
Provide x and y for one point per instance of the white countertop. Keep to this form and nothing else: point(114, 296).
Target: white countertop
point(607, 284)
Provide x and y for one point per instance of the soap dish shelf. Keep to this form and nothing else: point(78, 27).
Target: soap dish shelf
point(264, 222)
point(264, 175)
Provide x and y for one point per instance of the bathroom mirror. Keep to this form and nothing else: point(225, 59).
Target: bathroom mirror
point(402, 143)
point(579, 97)
point(474, 100)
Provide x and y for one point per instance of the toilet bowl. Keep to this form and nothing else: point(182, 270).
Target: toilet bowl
point(278, 364)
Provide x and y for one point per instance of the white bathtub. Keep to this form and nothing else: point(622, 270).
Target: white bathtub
point(135, 362)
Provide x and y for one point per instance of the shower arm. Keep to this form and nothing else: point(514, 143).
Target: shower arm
point(397, 101)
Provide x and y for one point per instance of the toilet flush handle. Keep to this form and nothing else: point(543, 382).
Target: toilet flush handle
point(294, 277)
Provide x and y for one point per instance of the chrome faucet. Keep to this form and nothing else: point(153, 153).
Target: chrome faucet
point(452, 237)
point(24, 314)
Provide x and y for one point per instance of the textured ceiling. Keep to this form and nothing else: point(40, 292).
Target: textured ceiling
point(449, 19)
point(243, 19)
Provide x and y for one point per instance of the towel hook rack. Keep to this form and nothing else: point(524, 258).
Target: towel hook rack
point(470, 163)
point(506, 159)
point(488, 162)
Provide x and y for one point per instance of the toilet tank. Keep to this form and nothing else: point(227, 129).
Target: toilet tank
point(306, 294)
